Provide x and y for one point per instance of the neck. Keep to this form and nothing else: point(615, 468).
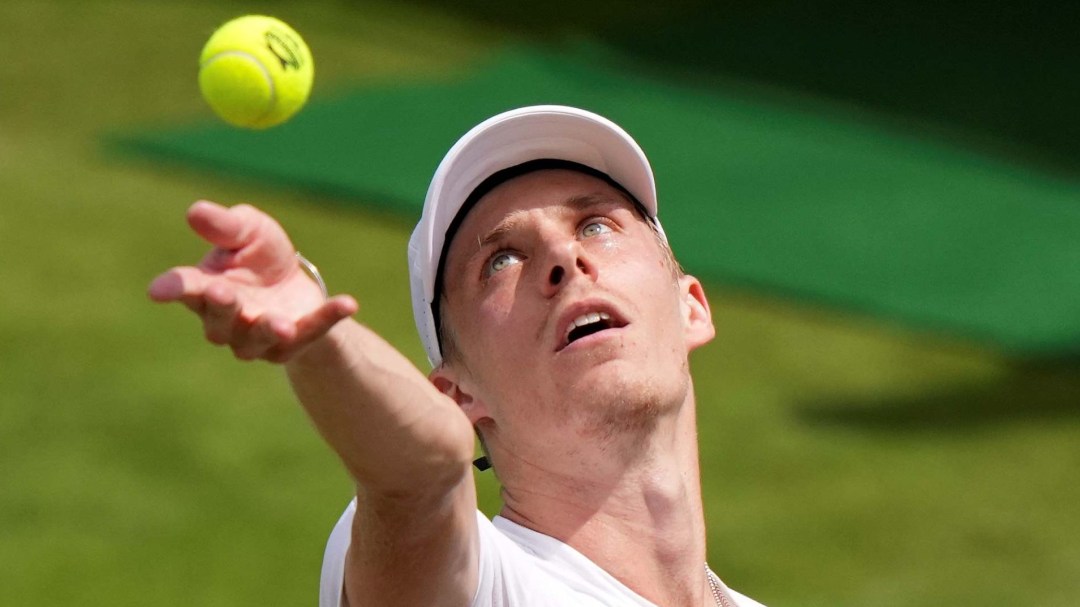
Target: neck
point(647, 504)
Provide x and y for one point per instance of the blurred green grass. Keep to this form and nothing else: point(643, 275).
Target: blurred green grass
point(846, 462)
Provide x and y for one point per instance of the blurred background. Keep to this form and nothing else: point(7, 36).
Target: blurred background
point(883, 200)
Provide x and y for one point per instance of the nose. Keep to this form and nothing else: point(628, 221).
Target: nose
point(568, 261)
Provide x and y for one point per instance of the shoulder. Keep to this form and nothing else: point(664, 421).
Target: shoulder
point(517, 568)
point(521, 567)
point(505, 575)
point(385, 550)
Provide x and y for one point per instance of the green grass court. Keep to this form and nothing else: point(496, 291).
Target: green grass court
point(850, 457)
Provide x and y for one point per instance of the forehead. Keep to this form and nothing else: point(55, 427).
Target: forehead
point(551, 190)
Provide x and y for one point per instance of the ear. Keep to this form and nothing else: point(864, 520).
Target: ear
point(698, 326)
point(448, 380)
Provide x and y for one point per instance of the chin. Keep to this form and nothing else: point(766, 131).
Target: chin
point(632, 405)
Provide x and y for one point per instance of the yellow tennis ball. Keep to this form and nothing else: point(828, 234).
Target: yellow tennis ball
point(255, 71)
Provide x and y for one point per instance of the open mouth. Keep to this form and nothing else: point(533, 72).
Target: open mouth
point(589, 324)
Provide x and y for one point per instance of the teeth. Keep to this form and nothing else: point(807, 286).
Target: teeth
point(587, 319)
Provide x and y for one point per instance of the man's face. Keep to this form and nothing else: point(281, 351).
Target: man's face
point(567, 316)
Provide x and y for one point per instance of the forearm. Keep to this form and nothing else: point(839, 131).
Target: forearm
point(406, 444)
point(394, 431)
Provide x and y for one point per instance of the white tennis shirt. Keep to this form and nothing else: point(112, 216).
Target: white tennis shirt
point(518, 568)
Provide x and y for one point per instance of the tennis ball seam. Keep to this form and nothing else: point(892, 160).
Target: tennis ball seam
point(235, 91)
point(265, 72)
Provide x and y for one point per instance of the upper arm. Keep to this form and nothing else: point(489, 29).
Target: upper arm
point(414, 538)
point(413, 550)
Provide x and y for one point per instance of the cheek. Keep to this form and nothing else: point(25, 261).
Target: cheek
point(491, 327)
point(493, 312)
point(609, 246)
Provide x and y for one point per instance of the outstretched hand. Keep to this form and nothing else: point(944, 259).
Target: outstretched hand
point(249, 290)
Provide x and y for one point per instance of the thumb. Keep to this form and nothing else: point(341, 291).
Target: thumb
point(221, 226)
point(243, 236)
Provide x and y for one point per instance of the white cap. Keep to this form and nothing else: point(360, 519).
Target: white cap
point(507, 140)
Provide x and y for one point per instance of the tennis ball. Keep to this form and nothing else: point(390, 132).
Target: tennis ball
point(255, 72)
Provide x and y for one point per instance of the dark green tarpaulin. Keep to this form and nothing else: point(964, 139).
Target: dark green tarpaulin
point(794, 198)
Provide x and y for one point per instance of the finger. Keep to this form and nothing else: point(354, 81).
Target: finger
point(267, 333)
point(184, 284)
point(286, 346)
point(313, 326)
point(243, 236)
point(327, 315)
point(221, 321)
point(220, 226)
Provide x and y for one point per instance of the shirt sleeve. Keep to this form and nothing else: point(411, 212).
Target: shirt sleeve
point(486, 571)
point(744, 601)
point(332, 580)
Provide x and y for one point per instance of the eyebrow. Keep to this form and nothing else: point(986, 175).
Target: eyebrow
point(577, 204)
point(505, 226)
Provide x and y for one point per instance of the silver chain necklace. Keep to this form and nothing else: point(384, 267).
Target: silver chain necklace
point(719, 595)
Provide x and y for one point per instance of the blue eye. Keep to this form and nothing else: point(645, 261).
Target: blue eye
point(502, 261)
point(595, 228)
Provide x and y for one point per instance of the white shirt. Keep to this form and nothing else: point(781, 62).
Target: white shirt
point(518, 568)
